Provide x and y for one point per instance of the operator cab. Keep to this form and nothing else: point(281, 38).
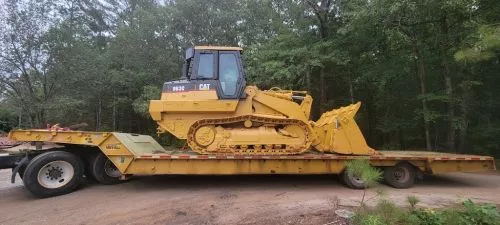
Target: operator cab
point(211, 68)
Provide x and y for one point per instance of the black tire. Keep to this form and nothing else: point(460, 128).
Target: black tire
point(401, 175)
point(60, 168)
point(351, 181)
point(103, 170)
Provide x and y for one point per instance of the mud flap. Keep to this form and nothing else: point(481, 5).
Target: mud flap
point(15, 170)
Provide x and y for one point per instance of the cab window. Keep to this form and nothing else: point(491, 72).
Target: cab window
point(206, 66)
point(228, 73)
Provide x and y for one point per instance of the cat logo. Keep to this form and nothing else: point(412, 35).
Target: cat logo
point(204, 87)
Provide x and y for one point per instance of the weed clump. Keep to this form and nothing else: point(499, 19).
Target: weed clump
point(370, 176)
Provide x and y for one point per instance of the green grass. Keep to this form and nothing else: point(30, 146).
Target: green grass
point(467, 213)
point(387, 213)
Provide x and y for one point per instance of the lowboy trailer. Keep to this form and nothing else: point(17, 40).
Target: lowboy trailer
point(111, 157)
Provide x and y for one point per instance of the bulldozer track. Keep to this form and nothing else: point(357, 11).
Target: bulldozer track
point(257, 148)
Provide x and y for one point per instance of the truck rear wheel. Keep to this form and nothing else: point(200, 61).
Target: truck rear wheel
point(401, 175)
point(53, 173)
point(103, 170)
point(352, 181)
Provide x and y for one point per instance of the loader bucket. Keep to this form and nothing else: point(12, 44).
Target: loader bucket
point(337, 132)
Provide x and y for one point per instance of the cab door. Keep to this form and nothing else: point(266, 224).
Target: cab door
point(230, 75)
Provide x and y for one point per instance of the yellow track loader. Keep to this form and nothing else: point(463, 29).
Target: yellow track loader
point(214, 110)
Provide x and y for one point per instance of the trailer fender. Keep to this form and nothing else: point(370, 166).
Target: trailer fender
point(23, 163)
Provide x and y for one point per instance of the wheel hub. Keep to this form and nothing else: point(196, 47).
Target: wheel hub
point(111, 170)
point(54, 173)
point(356, 179)
point(401, 175)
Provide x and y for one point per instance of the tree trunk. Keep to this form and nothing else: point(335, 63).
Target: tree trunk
point(114, 110)
point(420, 66)
point(308, 81)
point(463, 131)
point(39, 117)
point(98, 115)
point(401, 139)
point(351, 88)
point(20, 117)
point(322, 98)
point(372, 120)
point(465, 102)
point(450, 106)
point(450, 140)
point(42, 116)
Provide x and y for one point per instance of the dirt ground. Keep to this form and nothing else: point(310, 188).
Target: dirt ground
point(225, 199)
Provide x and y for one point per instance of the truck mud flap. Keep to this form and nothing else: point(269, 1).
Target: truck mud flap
point(15, 170)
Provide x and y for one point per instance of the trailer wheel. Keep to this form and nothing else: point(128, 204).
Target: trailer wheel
point(352, 181)
point(53, 173)
point(103, 170)
point(401, 175)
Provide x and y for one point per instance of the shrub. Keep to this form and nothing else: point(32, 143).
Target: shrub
point(413, 201)
point(425, 216)
point(468, 213)
point(386, 212)
point(484, 214)
point(361, 168)
point(369, 175)
point(372, 220)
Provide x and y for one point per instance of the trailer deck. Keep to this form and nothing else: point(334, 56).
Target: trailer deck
point(134, 154)
point(141, 154)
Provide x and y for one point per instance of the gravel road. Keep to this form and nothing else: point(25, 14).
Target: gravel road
point(225, 199)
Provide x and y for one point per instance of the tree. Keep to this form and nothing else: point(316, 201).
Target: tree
point(426, 71)
point(24, 59)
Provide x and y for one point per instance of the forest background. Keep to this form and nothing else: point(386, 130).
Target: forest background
point(426, 71)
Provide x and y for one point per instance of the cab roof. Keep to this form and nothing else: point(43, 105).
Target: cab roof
point(224, 48)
